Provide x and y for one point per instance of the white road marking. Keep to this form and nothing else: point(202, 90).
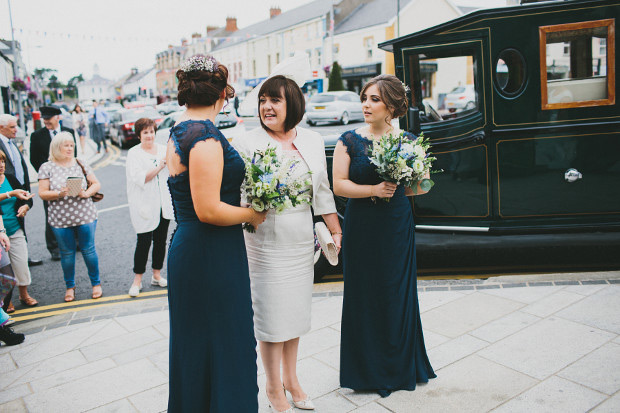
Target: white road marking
point(113, 208)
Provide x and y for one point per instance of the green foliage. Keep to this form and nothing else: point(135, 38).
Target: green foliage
point(335, 78)
point(43, 73)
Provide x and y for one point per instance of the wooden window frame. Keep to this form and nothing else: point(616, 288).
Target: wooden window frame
point(611, 62)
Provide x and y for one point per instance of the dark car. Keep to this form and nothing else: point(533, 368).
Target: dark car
point(529, 175)
point(122, 132)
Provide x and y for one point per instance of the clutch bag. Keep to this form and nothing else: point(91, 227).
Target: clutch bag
point(326, 241)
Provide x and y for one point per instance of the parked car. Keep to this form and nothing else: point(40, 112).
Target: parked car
point(168, 107)
point(122, 132)
point(461, 98)
point(225, 121)
point(340, 107)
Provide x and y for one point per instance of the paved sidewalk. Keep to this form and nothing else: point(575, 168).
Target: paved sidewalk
point(506, 344)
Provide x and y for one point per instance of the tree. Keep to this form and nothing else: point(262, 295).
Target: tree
point(335, 78)
point(71, 90)
point(43, 73)
point(54, 83)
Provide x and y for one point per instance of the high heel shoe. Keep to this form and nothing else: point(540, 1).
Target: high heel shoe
point(305, 404)
point(273, 409)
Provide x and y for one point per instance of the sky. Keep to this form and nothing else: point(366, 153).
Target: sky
point(72, 36)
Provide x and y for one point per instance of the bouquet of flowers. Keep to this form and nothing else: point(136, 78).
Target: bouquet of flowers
point(400, 160)
point(269, 183)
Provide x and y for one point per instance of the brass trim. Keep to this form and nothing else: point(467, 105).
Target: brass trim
point(499, 198)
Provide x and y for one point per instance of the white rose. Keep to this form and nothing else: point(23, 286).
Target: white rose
point(418, 166)
point(258, 205)
point(419, 152)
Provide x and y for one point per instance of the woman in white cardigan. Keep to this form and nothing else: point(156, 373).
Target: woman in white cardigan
point(281, 251)
point(150, 206)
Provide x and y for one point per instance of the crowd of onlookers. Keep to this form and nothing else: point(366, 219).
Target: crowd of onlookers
point(69, 188)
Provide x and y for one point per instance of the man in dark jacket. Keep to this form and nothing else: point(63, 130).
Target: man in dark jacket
point(39, 154)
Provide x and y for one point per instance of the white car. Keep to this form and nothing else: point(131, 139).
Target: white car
point(461, 98)
point(341, 107)
point(225, 121)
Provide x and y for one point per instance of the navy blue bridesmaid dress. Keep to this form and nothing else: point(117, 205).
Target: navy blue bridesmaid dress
point(212, 345)
point(382, 346)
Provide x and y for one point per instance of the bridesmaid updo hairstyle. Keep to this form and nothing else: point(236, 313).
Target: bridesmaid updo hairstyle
point(276, 87)
point(392, 93)
point(142, 124)
point(202, 79)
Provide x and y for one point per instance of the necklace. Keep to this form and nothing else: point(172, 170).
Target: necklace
point(372, 136)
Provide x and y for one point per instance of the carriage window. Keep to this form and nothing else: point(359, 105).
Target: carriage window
point(577, 64)
point(510, 72)
point(444, 84)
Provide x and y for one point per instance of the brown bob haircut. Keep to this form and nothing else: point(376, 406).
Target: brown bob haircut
point(142, 124)
point(295, 102)
point(392, 92)
point(2, 156)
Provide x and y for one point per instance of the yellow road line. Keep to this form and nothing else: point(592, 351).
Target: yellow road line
point(69, 310)
point(79, 303)
point(116, 153)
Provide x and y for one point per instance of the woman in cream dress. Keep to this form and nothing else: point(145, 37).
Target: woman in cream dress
point(280, 252)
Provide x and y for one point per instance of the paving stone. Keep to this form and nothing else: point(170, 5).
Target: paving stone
point(546, 347)
point(317, 341)
point(540, 284)
point(462, 287)
point(371, 408)
point(432, 339)
point(514, 285)
point(80, 320)
point(14, 393)
point(120, 344)
point(599, 310)
point(523, 295)
point(611, 405)
point(554, 395)
point(488, 287)
point(6, 364)
point(359, 398)
point(52, 366)
point(326, 312)
point(161, 361)
point(469, 385)
point(505, 326)
point(119, 406)
point(337, 326)
point(14, 406)
point(454, 350)
point(333, 402)
point(599, 370)
point(140, 352)
point(467, 313)
point(566, 282)
point(163, 328)
point(142, 320)
point(153, 400)
point(330, 357)
point(585, 289)
point(430, 300)
point(30, 331)
point(110, 385)
point(110, 330)
point(593, 282)
point(71, 374)
point(10, 377)
point(316, 378)
point(552, 303)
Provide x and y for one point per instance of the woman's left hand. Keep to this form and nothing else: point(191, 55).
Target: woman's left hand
point(337, 240)
point(22, 211)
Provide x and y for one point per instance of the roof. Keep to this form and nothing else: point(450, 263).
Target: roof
point(480, 14)
point(96, 80)
point(308, 11)
point(370, 14)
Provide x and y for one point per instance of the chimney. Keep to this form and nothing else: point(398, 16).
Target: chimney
point(196, 36)
point(211, 28)
point(231, 24)
point(274, 11)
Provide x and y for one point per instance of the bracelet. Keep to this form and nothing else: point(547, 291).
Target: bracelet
point(3, 231)
point(8, 195)
point(335, 233)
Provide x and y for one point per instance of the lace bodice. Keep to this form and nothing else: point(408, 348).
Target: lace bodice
point(184, 136)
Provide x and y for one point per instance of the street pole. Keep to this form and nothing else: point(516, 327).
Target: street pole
point(398, 18)
point(15, 71)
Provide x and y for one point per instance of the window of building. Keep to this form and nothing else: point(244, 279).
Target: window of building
point(268, 63)
point(603, 47)
point(581, 77)
point(317, 53)
point(253, 68)
point(369, 44)
point(277, 58)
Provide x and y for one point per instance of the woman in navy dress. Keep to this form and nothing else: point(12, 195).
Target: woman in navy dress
point(382, 347)
point(212, 345)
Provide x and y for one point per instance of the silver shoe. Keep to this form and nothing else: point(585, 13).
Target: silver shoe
point(289, 410)
point(305, 404)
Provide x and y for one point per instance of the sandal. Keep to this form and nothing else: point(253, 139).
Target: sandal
point(28, 301)
point(70, 295)
point(97, 292)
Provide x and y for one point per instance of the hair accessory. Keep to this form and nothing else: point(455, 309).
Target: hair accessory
point(407, 90)
point(200, 62)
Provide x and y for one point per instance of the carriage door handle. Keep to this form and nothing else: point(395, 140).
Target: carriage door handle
point(572, 175)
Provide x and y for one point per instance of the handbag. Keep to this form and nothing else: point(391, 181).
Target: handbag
point(326, 241)
point(96, 197)
point(6, 285)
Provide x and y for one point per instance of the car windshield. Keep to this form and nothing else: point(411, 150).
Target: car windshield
point(458, 89)
point(134, 115)
point(322, 98)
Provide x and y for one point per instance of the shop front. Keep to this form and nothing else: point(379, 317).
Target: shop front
point(354, 77)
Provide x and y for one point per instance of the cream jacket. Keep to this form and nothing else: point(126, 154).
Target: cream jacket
point(311, 147)
point(146, 200)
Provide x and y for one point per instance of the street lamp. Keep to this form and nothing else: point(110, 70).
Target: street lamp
point(15, 71)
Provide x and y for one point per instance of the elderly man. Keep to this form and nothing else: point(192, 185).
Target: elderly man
point(39, 154)
point(98, 121)
point(16, 175)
